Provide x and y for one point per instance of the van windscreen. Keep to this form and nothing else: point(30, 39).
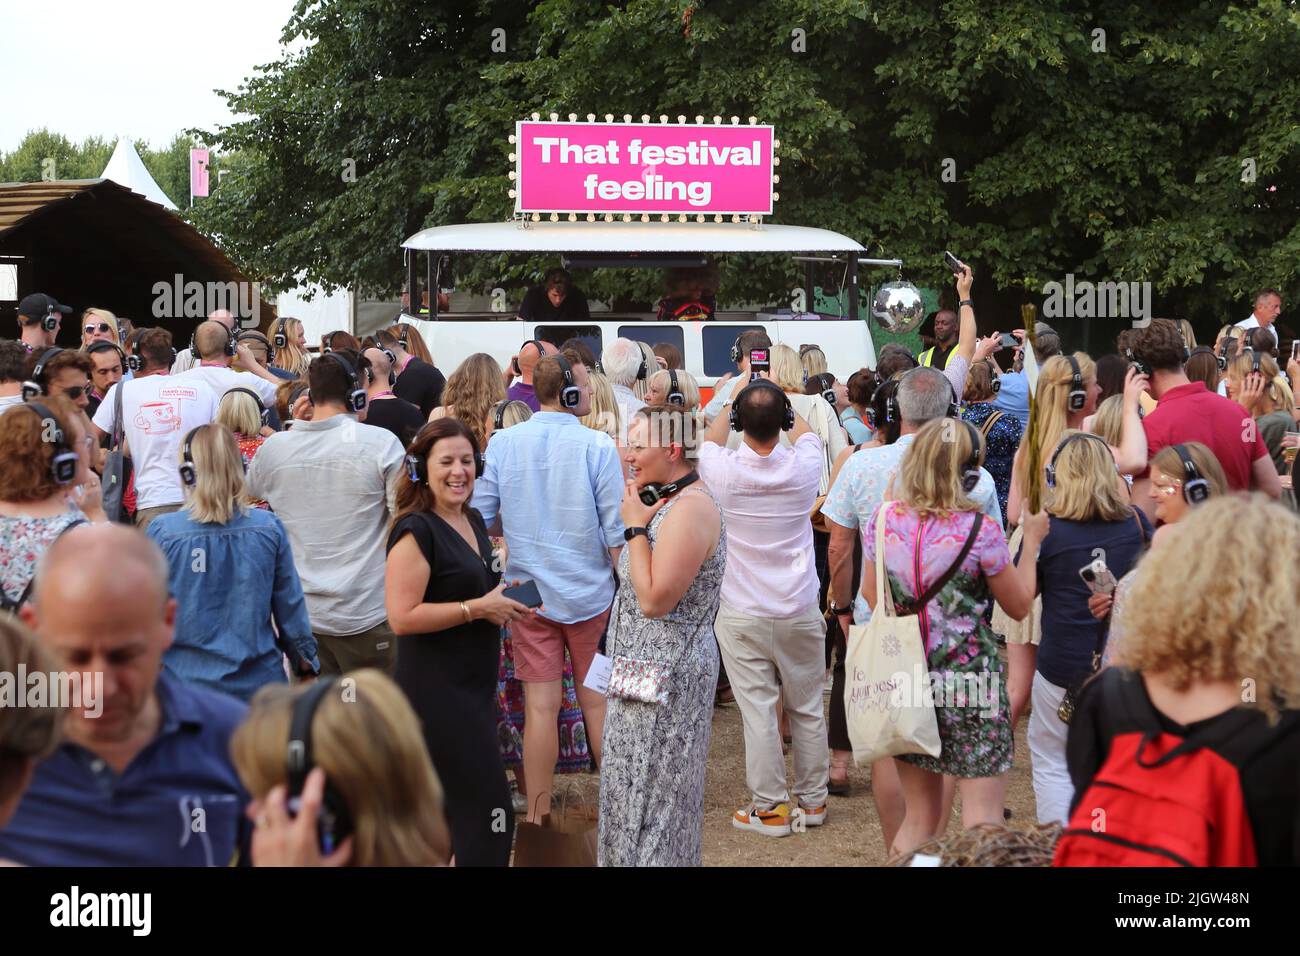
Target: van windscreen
point(557, 335)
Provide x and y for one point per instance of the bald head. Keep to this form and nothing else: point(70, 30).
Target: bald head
point(529, 356)
point(224, 317)
point(380, 366)
point(101, 605)
point(210, 339)
point(77, 559)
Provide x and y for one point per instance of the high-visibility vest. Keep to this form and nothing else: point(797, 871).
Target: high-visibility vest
point(927, 357)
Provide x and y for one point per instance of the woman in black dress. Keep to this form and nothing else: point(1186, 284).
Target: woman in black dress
point(443, 592)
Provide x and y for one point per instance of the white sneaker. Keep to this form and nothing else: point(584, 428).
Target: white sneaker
point(773, 823)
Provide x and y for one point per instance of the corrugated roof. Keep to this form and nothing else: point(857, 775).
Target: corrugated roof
point(20, 200)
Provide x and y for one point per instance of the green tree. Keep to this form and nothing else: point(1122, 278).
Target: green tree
point(1105, 138)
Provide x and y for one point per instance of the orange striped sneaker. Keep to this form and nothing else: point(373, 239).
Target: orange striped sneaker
point(773, 823)
point(808, 817)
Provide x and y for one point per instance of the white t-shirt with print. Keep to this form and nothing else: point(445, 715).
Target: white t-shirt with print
point(158, 411)
point(221, 379)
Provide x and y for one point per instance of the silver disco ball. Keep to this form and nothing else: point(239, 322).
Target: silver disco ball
point(898, 307)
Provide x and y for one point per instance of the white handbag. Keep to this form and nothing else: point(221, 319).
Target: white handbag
point(887, 712)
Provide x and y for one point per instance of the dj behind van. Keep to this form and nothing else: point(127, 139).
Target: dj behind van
point(557, 299)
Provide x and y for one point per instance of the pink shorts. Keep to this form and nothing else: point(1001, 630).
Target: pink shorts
point(539, 646)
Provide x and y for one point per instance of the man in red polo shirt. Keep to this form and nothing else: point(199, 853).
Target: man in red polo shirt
point(1188, 411)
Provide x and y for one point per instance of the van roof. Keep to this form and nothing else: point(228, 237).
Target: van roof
point(604, 237)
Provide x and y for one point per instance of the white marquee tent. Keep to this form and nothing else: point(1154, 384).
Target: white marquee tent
point(127, 169)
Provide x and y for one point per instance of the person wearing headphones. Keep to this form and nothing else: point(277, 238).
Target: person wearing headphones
point(217, 347)
point(419, 381)
point(99, 325)
point(63, 372)
point(263, 352)
point(383, 408)
point(289, 339)
point(240, 410)
point(945, 561)
point(156, 411)
point(626, 368)
point(543, 475)
point(921, 395)
point(523, 366)
point(333, 482)
point(187, 358)
point(730, 384)
point(1090, 521)
point(142, 763)
point(769, 625)
point(382, 806)
point(39, 317)
point(232, 646)
point(107, 368)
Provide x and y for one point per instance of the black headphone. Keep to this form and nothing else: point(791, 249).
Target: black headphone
point(335, 822)
point(787, 418)
point(1141, 366)
point(392, 364)
point(63, 463)
point(402, 332)
point(735, 350)
point(189, 474)
point(1078, 397)
point(230, 339)
point(357, 396)
point(499, 414)
point(1051, 465)
point(654, 492)
point(541, 352)
point(417, 466)
point(258, 336)
point(884, 394)
point(827, 391)
point(1222, 357)
point(1256, 357)
point(570, 394)
point(675, 394)
point(35, 386)
point(262, 409)
point(327, 342)
point(1195, 489)
point(641, 369)
point(102, 346)
point(970, 471)
point(281, 339)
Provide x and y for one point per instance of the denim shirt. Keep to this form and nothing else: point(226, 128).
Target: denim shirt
point(229, 582)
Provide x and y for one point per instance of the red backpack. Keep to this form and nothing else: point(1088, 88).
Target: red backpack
point(1160, 799)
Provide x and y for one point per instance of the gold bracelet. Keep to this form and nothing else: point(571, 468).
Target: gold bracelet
point(464, 609)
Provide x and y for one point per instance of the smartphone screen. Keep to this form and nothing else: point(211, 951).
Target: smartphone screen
point(759, 361)
point(1008, 341)
point(1098, 577)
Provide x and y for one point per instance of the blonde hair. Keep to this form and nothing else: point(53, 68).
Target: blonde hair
point(1108, 423)
point(787, 370)
point(1186, 331)
point(239, 412)
point(1191, 614)
point(605, 415)
point(219, 475)
point(1053, 405)
point(930, 478)
point(514, 412)
point(472, 391)
point(686, 384)
point(1086, 482)
point(27, 734)
point(642, 385)
point(367, 739)
point(414, 341)
point(813, 360)
point(290, 357)
point(1277, 393)
point(102, 315)
point(1167, 462)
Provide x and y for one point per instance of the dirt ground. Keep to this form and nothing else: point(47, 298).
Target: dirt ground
point(851, 835)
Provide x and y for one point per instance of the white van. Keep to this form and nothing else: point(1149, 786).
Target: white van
point(705, 346)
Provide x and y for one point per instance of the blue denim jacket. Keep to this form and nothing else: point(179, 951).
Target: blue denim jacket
point(229, 582)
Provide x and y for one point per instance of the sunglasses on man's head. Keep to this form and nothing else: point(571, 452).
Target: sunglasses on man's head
point(102, 327)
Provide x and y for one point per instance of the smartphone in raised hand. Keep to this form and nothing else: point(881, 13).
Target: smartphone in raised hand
point(953, 263)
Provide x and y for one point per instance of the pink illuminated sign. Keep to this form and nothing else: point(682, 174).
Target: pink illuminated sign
point(643, 168)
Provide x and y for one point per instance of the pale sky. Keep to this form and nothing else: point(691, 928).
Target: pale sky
point(144, 69)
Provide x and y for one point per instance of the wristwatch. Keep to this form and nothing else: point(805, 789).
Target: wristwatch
point(630, 533)
point(837, 611)
point(969, 302)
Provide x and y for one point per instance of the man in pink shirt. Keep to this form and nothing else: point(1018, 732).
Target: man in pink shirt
point(769, 625)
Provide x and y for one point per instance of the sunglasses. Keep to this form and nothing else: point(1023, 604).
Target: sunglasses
point(76, 391)
point(102, 327)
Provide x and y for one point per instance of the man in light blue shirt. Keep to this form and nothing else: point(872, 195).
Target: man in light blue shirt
point(923, 395)
point(554, 487)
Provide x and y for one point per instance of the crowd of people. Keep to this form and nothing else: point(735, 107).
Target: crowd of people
point(331, 608)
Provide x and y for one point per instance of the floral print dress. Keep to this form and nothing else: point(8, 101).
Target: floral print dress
point(655, 756)
point(969, 677)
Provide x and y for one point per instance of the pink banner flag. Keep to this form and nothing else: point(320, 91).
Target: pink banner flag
point(198, 172)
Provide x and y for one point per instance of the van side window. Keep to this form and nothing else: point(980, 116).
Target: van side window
point(557, 335)
point(653, 335)
point(717, 341)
